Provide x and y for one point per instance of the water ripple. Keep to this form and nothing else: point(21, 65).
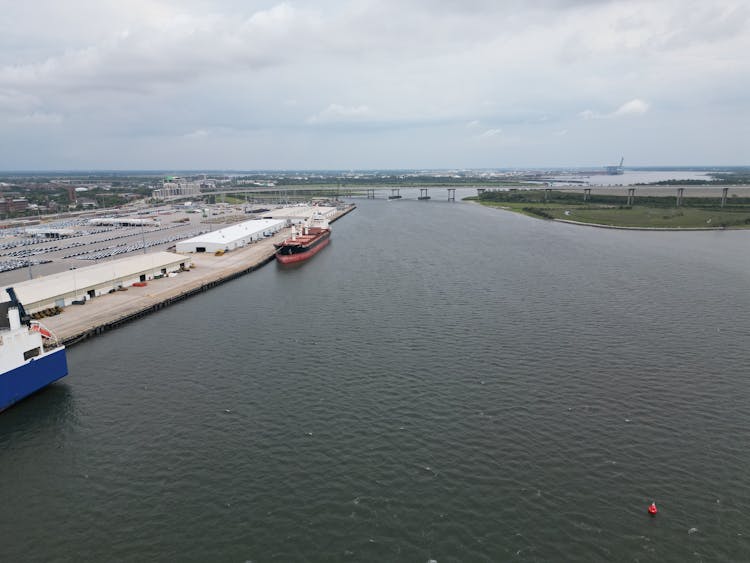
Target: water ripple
point(444, 382)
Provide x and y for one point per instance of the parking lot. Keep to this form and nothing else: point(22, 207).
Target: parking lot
point(24, 254)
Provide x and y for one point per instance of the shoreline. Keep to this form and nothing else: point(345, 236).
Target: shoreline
point(604, 226)
point(624, 228)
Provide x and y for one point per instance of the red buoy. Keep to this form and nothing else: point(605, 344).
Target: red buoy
point(652, 510)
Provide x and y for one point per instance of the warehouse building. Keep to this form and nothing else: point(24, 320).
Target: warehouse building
point(232, 237)
point(124, 222)
point(50, 233)
point(89, 282)
point(298, 214)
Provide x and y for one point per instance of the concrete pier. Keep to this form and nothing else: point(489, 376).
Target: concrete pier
point(80, 322)
point(631, 196)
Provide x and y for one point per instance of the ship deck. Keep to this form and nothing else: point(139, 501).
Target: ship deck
point(302, 240)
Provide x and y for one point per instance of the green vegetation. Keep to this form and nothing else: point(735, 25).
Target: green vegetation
point(232, 200)
point(647, 212)
point(641, 216)
point(66, 192)
point(735, 178)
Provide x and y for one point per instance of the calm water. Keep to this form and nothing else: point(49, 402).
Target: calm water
point(631, 177)
point(444, 382)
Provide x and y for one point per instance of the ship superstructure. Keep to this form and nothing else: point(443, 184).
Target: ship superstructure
point(30, 356)
point(315, 236)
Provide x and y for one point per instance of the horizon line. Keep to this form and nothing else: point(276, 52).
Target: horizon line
point(350, 170)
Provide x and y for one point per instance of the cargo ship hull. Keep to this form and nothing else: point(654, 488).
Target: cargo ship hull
point(303, 247)
point(32, 376)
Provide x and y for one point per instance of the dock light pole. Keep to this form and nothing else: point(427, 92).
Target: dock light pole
point(143, 238)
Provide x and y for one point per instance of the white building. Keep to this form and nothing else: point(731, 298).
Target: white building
point(50, 233)
point(177, 187)
point(299, 213)
point(88, 282)
point(232, 237)
point(124, 222)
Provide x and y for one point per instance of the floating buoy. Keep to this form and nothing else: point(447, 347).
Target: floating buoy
point(652, 510)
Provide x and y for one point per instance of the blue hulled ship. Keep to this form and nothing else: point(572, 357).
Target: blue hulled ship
point(30, 356)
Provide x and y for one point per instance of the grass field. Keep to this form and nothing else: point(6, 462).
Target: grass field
point(635, 216)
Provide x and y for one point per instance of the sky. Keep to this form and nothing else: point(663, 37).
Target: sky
point(368, 84)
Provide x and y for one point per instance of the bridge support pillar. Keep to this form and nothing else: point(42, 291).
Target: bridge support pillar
point(370, 193)
point(546, 194)
point(423, 194)
point(451, 194)
point(680, 195)
point(395, 193)
point(631, 195)
point(586, 194)
point(724, 192)
point(480, 191)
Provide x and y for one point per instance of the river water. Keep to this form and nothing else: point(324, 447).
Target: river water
point(443, 382)
point(633, 177)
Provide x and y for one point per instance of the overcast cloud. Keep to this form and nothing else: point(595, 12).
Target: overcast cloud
point(104, 84)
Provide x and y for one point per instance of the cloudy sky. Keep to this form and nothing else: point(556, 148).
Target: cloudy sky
point(323, 84)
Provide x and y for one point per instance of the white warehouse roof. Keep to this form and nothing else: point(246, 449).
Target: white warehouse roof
point(124, 221)
point(46, 231)
point(47, 288)
point(300, 211)
point(231, 236)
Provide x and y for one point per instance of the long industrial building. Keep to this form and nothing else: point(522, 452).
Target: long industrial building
point(86, 283)
point(232, 237)
point(299, 213)
point(124, 222)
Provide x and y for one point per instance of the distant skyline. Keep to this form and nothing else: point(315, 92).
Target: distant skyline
point(366, 84)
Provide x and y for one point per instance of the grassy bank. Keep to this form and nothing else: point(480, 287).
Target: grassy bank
point(651, 212)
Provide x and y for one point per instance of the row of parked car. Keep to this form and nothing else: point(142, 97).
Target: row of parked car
point(28, 240)
point(26, 252)
point(8, 265)
point(125, 248)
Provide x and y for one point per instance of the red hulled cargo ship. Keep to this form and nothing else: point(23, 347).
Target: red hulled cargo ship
point(300, 247)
